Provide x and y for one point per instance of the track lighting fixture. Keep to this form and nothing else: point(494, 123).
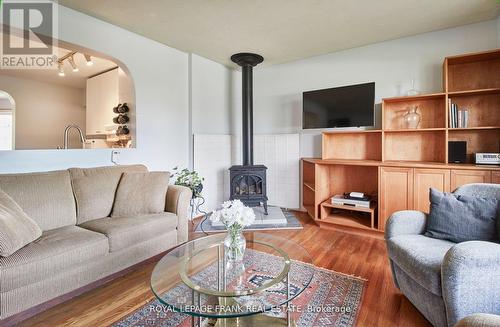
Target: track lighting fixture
point(88, 58)
point(61, 68)
point(71, 60)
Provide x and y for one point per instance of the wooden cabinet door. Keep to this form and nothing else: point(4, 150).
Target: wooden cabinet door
point(395, 193)
point(462, 177)
point(424, 179)
point(495, 177)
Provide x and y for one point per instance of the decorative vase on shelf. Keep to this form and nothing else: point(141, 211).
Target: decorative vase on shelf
point(235, 216)
point(411, 117)
point(413, 91)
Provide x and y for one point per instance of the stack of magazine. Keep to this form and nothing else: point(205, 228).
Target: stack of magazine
point(459, 118)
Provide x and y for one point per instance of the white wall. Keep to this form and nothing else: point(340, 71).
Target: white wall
point(160, 76)
point(392, 64)
point(210, 98)
point(43, 110)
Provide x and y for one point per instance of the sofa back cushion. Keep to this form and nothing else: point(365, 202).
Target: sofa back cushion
point(45, 197)
point(95, 189)
point(141, 194)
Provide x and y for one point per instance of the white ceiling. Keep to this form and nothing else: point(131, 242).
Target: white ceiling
point(72, 79)
point(282, 30)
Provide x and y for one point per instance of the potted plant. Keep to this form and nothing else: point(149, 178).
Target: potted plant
point(190, 179)
point(235, 216)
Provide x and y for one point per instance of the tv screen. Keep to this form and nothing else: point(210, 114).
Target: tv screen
point(346, 106)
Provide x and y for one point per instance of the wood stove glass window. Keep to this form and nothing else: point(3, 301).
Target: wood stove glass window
point(247, 185)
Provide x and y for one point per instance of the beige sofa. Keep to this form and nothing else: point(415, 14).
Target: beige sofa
point(80, 244)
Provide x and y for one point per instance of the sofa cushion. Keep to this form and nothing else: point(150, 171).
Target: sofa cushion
point(56, 251)
point(420, 257)
point(127, 231)
point(16, 228)
point(46, 197)
point(95, 189)
point(141, 193)
point(461, 218)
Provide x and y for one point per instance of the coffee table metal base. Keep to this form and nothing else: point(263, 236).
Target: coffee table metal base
point(247, 321)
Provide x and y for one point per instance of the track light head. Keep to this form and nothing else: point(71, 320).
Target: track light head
point(88, 58)
point(71, 60)
point(61, 69)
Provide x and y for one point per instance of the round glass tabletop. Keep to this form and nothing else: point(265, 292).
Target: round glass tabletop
point(197, 279)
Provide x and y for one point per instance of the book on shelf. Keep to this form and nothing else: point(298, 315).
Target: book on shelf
point(458, 118)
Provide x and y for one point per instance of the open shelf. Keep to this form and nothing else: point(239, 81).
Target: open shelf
point(421, 145)
point(418, 97)
point(482, 140)
point(473, 72)
point(474, 92)
point(348, 216)
point(410, 130)
point(350, 145)
point(432, 110)
point(353, 131)
point(483, 109)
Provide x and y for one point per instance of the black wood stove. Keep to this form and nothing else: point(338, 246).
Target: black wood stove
point(248, 181)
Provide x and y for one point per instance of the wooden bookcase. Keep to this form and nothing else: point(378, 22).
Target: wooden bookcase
point(397, 165)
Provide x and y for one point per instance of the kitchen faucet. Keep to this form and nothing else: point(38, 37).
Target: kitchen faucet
point(66, 132)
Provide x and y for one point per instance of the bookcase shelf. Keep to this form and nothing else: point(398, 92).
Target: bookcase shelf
point(349, 216)
point(418, 145)
point(483, 109)
point(477, 71)
point(352, 145)
point(414, 130)
point(478, 140)
point(474, 92)
point(432, 110)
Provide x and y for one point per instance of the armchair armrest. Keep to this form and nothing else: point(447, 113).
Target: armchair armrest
point(406, 222)
point(479, 320)
point(470, 276)
point(178, 202)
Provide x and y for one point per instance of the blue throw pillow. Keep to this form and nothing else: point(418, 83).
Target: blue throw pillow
point(461, 218)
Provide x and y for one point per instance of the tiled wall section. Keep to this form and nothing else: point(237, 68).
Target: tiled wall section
point(280, 153)
point(214, 154)
point(212, 159)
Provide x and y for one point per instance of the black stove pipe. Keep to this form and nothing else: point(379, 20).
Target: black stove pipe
point(247, 61)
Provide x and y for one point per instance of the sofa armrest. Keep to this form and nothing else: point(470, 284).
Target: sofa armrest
point(479, 320)
point(178, 202)
point(470, 276)
point(406, 222)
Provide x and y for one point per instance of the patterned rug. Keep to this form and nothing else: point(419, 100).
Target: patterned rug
point(331, 299)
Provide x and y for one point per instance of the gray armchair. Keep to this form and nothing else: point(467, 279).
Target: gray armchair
point(444, 280)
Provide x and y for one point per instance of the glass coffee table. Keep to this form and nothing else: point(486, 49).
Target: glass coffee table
point(197, 279)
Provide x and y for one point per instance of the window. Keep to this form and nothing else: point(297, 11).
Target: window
point(6, 129)
point(7, 119)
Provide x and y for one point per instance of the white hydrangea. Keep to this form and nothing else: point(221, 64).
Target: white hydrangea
point(234, 214)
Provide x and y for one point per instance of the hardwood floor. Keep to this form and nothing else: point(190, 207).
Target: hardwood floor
point(366, 257)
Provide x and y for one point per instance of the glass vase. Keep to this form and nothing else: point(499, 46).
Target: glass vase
point(411, 117)
point(235, 244)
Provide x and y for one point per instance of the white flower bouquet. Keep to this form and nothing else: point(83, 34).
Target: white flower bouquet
point(235, 216)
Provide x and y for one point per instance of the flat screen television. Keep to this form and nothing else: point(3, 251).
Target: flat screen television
point(346, 106)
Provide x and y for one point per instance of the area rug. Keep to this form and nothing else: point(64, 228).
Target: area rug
point(205, 226)
point(331, 299)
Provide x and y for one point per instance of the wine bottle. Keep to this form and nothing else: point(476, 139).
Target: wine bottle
point(116, 109)
point(122, 119)
point(123, 109)
point(122, 130)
